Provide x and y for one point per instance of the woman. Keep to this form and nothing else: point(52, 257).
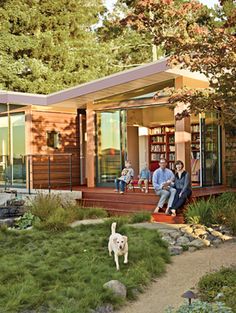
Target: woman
point(182, 185)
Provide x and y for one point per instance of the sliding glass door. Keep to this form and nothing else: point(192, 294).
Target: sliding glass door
point(110, 146)
point(12, 150)
point(210, 150)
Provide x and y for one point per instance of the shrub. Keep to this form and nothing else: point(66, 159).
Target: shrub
point(25, 221)
point(201, 307)
point(141, 217)
point(223, 281)
point(200, 212)
point(55, 213)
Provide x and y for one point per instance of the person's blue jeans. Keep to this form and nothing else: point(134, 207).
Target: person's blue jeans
point(180, 201)
point(120, 185)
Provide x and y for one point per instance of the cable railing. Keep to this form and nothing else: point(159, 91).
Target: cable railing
point(39, 171)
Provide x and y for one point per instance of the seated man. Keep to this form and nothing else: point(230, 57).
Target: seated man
point(162, 181)
point(127, 175)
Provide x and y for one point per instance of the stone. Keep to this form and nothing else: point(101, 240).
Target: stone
point(117, 287)
point(192, 249)
point(216, 242)
point(200, 232)
point(9, 222)
point(107, 308)
point(182, 241)
point(206, 242)
point(197, 243)
point(175, 250)
point(174, 234)
point(216, 233)
point(186, 229)
point(168, 239)
point(226, 237)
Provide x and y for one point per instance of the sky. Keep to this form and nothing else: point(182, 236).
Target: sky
point(209, 3)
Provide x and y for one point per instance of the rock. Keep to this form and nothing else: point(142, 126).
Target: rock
point(216, 242)
point(225, 237)
point(167, 238)
point(216, 233)
point(174, 234)
point(206, 242)
point(117, 287)
point(186, 229)
point(200, 232)
point(210, 237)
point(9, 222)
point(107, 308)
point(197, 243)
point(192, 249)
point(176, 250)
point(219, 296)
point(182, 241)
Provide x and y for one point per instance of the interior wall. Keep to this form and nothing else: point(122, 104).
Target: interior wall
point(133, 148)
point(143, 151)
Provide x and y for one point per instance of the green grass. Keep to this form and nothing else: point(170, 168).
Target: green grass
point(223, 281)
point(64, 272)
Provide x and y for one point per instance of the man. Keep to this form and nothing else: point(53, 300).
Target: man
point(162, 181)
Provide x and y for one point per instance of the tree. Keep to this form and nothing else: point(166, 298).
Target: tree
point(48, 45)
point(198, 39)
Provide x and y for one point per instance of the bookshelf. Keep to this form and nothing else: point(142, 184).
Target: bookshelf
point(162, 145)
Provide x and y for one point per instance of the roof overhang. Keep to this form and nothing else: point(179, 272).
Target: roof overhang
point(119, 83)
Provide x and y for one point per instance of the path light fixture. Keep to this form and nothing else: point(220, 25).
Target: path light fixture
point(189, 295)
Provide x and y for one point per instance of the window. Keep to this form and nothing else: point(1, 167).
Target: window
point(53, 139)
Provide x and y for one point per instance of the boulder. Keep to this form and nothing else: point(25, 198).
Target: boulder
point(107, 308)
point(117, 287)
point(197, 243)
point(174, 234)
point(182, 241)
point(175, 250)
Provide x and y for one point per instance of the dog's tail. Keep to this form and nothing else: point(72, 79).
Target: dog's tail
point(113, 228)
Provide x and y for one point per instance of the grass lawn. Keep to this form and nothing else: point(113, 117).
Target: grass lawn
point(64, 272)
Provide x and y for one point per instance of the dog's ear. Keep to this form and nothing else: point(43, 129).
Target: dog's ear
point(125, 238)
point(115, 240)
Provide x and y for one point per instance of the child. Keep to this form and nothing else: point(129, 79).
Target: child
point(127, 175)
point(144, 176)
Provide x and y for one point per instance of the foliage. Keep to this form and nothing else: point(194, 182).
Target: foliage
point(222, 282)
point(201, 307)
point(25, 221)
point(141, 217)
point(47, 46)
point(56, 213)
point(198, 39)
point(65, 272)
point(220, 210)
point(200, 212)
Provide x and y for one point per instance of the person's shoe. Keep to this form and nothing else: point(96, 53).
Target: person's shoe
point(156, 209)
point(173, 212)
point(146, 191)
point(121, 192)
point(116, 190)
point(167, 211)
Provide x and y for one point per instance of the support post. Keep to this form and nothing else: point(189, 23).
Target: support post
point(182, 132)
point(90, 155)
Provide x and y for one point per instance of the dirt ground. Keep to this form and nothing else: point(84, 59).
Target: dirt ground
point(183, 274)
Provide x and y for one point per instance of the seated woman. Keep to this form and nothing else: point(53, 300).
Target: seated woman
point(127, 175)
point(183, 188)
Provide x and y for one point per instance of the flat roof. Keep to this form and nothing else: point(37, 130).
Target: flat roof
point(115, 84)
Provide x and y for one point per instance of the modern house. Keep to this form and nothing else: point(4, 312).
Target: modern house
point(83, 135)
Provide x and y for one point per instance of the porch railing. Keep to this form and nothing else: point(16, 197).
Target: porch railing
point(38, 171)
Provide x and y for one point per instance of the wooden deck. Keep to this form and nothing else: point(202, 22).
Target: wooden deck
point(135, 201)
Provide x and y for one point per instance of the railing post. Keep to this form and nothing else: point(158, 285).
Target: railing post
point(49, 174)
point(29, 175)
point(70, 161)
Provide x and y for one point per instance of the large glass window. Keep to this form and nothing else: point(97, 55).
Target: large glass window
point(12, 150)
point(110, 146)
point(211, 150)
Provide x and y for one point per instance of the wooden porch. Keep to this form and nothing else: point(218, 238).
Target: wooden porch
point(136, 201)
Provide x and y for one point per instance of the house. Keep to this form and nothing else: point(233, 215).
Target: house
point(83, 135)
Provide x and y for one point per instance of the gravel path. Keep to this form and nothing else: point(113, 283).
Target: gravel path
point(183, 274)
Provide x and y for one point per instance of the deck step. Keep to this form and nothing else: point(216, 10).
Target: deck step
point(163, 218)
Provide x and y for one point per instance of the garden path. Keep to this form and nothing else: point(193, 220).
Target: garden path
point(183, 274)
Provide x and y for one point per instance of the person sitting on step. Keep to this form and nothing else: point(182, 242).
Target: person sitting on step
point(162, 181)
point(144, 177)
point(182, 184)
point(127, 175)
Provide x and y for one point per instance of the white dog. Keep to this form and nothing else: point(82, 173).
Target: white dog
point(119, 245)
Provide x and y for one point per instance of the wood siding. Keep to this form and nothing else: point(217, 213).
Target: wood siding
point(54, 164)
